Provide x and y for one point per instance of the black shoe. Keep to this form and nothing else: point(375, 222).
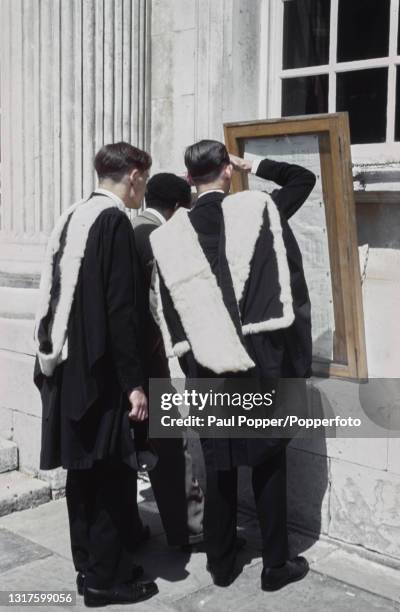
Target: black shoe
point(128, 593)
point(274, 578)
point(137, 572)
point(223, 579)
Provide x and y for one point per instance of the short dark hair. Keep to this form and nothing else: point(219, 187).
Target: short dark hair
point(164, 190)
point(115, 160)
point(205, 160)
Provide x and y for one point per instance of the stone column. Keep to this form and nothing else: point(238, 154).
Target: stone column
point(73, 76)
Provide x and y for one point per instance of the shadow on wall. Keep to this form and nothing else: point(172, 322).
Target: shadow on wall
point(377, 225)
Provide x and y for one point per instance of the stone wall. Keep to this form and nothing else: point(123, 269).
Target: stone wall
point(204, 71)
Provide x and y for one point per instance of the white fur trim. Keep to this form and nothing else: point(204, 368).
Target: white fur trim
point(243, 217)
point(78, 230)
point(180, 348)
point(283, 271)
point(197, 298)
point(46, 278)
point(158, 313)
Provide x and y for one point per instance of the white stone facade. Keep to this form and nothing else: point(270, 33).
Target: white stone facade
point(162, 74)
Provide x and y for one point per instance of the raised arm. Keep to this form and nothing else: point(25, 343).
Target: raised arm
point(296, 184)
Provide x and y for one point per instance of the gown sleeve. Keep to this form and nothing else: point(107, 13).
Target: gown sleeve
point(122, 287)
point(296, 184)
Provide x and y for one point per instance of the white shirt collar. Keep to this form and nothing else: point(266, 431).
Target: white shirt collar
point(210, 191)
point(113, 196)
point(156, 213)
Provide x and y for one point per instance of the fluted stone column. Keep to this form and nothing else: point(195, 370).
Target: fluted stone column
point(73, 76)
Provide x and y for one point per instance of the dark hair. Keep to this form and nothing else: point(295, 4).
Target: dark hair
point(205, 160)
point(114, 161)
point(165, 190)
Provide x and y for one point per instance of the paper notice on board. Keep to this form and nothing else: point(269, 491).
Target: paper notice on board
point(309, 228)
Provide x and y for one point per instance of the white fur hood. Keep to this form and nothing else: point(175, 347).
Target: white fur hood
point(82, 215)
point(210, 332)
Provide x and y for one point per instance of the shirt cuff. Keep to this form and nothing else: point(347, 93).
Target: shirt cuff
point(255, 165)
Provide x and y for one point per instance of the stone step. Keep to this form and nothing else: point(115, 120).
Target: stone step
point(16, 335)
point(8, 456)
point(19, 491)
point(18, 302)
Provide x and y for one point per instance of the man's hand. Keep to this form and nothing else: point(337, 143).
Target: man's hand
point(139, 410)
point(240, 164)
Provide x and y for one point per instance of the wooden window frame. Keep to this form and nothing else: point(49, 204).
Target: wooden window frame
point(349, 352)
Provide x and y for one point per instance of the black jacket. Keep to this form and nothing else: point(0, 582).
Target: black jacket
point(85, 401)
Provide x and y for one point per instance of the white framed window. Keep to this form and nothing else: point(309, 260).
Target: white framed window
point(337, 55)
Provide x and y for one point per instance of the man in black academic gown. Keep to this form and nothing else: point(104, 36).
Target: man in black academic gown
point(178, 495)
point(236, 304)
point(90, 375)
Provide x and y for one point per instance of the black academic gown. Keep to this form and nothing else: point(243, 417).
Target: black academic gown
point(156, 362)
point(85, 401)
point(284, 353)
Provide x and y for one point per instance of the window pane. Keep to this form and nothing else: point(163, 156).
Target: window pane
point(397, 128)
point(306, 33)
point(363, 29)
point(363, 94)
point(305, 95)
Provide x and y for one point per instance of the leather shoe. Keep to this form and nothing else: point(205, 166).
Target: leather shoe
point(223, 579)
point(274, 578)
point(137, 572)
point(127, 593)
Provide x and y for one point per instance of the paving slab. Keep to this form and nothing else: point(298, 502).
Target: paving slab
point(50, 574)
point(362, 573)
point(341, 582)
point(316, 593)
point(16, 551)
point(176, 573)
point(46, 525)
point(19, 491)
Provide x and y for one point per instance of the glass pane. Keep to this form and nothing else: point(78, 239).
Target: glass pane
point(363, 29)
point(305, 95)
point(363, 94)
point(397, 126)
point(306, 33)
point(309, 226)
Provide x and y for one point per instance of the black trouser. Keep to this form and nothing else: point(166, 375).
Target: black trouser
point(220, 514)
point(179, 497)
point(104, 522)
